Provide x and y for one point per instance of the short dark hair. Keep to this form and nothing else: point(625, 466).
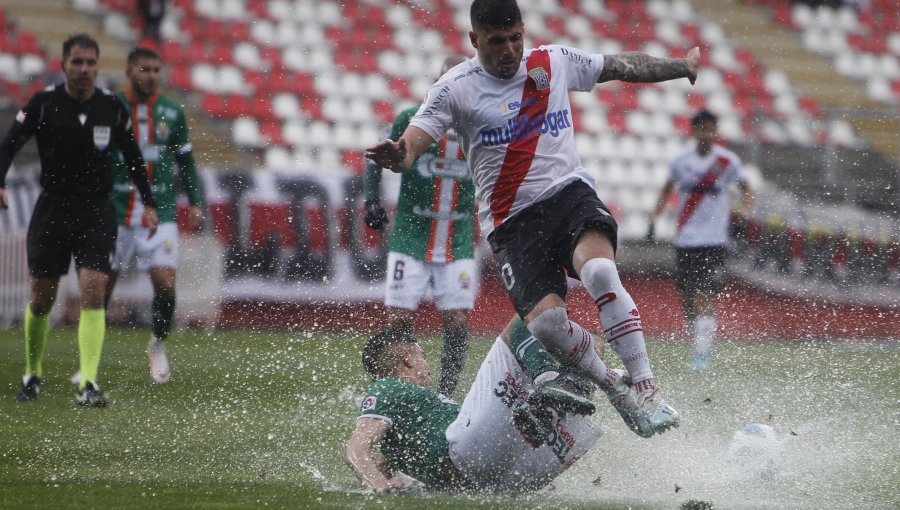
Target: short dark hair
point(139, 53)
point(81, 40)
point(704, 116)
point(494, 14)
point(375, 354)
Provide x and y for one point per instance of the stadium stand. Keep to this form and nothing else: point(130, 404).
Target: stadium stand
point(311, 83)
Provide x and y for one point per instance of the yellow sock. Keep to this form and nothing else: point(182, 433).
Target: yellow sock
point(37, 327)
point(91, 330)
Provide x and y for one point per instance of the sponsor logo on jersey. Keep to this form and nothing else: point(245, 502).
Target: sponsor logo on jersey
point(369, 403)
point(102, 135)
point(577, 57)
point(20, 117)
point(515, 105)
point(540, 77)
point(430, 165)
point(162, 131)
point(433, 104)
point(465, 280)
point(523, 127)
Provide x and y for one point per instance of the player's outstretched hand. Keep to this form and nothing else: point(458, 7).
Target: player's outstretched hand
point(150, 220)
point(388, 154)
point(391, 486)
point(375, 217)
point(4, 200)
point(693, 62)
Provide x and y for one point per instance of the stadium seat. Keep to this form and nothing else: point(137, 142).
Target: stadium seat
point(245, 132)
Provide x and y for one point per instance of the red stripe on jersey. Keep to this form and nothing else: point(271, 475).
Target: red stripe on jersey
point(432, 232)
point(706, 181)
point(520, 153)
point(454, 201)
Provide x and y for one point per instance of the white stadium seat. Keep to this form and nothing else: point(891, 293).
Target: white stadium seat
point(32, 65)
point(9, 67)
point(231, 81)
point(286, 106)
point(247, 55)
point(278, 158)
point(245, 132)
point(294, 132)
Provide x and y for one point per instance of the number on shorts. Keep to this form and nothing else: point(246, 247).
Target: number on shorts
point(398, 270)
point(509, 280)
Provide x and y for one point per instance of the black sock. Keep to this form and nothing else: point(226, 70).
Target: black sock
point(163, 310)
point(453, 358)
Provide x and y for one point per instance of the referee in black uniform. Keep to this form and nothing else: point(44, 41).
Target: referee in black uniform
point(76, 125)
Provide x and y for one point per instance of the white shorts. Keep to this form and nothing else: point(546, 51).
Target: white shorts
point(161, 250)
point(453, 285)
point(485, 445)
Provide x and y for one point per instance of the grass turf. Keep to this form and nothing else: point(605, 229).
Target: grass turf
point(255, 420)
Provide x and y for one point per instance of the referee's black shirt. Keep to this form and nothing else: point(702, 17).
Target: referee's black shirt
point(74, 141)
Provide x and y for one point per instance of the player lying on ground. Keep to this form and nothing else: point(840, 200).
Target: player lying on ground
point(500, 439)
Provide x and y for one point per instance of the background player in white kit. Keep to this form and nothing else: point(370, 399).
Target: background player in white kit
point(537, 205)
point(702, 175)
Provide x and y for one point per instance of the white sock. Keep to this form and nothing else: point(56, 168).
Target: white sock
point(704, 335)
point(572, 345)
point(619, 319)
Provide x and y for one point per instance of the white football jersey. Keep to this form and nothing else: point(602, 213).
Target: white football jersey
point(517, 133)
point(704, 201)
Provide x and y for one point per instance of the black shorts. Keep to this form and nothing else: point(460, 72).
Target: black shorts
point(533, 249)
point(66, 227)
point(699, 270)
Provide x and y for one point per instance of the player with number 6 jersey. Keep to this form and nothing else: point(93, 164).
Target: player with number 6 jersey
point(432, 242)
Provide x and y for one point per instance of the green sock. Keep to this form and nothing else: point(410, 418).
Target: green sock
point(530, 352)
point(91, 330)
point(37, 328)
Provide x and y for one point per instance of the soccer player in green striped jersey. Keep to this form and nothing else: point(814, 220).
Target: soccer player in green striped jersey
point(432, 242)
point(161, 131)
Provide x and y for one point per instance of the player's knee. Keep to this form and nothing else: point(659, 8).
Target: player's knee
point(550, 326)
point(599, 274)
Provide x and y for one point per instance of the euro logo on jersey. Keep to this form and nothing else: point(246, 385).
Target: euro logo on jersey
point(368, 404)
point(540, 77)
point(102, 135)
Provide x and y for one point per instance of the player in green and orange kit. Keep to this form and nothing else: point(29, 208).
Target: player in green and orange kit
point(495, 441)
point(160, 128)
point(432, 242)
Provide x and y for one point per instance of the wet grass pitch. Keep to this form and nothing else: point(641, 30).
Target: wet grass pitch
point(253, 420)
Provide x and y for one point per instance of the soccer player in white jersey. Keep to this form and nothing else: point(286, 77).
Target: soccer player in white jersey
point(537, 205)
point(702, 175)
point(494, 441)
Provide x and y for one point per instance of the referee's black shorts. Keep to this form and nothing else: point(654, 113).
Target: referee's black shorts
point(699, 270)
point(63, 227)
point(533, 249)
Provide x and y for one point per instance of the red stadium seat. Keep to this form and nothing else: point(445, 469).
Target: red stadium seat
point(180, 77)
point(271, 132)
point(312, 107)
point(384, 111)
point(261, 108)
point(236, 106)
point(213, 105)
point(353, 160)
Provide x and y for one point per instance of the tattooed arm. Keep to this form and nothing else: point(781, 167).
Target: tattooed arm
point(642, 68)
